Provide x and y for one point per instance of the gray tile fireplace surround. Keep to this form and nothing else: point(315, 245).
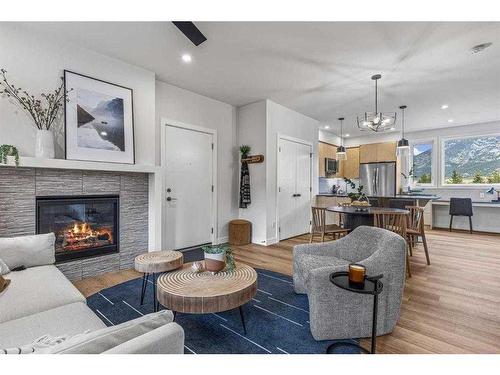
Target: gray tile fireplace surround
point(20, 186)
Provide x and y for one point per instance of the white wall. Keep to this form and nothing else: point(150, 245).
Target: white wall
point(36, 63)
point(284, 121)
point(252, 132)
point(326, 136)
point(259, 125)
point(174, 103)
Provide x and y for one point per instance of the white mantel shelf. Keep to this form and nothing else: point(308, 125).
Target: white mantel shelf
point(30, 162)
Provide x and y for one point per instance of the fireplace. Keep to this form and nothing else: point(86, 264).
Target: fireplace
point(85, 226)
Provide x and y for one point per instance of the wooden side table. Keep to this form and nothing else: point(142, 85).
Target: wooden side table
point(153, 263)
point(240, 232)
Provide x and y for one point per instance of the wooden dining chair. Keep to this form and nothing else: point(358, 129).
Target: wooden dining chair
point(319, 226)
point(415, 229)
point(394, 222)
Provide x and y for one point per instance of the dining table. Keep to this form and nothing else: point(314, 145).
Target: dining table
point(354, 217)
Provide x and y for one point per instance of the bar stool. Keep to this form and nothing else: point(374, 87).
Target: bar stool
point(461, 207)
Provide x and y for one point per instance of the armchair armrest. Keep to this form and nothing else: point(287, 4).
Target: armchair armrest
point(167, 339)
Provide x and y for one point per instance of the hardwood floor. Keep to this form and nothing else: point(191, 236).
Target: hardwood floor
point(451, 306)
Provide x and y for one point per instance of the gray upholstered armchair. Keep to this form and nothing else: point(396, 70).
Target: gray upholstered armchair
point(336, 313)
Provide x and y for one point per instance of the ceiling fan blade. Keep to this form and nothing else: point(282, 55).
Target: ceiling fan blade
point(190, 31)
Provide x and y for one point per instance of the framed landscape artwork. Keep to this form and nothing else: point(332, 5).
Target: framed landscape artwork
point(99, 121)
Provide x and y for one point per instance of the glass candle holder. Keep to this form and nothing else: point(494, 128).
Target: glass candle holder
point(357, 274)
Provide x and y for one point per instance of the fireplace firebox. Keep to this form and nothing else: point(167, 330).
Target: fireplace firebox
point(84, 226)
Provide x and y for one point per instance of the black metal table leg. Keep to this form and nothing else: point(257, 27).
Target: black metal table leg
point(374, 323)
point(144, 285)
point(155, 306)
point(242, 316)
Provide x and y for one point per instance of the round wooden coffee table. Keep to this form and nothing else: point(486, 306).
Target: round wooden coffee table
point(153, 263)
point(200, 293)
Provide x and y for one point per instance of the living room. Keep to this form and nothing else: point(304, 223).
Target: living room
point(202, 187)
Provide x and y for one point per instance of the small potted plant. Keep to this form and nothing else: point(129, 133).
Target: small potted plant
point(218, 257)
point(358, 198)
point(245, 151)
point(9, 155)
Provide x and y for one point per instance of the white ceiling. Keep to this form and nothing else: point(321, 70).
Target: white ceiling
point(320, 69)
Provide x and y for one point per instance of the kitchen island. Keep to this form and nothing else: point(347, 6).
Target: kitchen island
point(397, 201)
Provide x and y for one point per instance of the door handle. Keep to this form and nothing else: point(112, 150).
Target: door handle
point(296, 195)
point(171, 199)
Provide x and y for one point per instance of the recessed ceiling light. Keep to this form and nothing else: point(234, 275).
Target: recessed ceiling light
point(347, 135)
point(327, 127)
point(444, 106)
point(104, 134)
point(393, 128)
point(186, 58)
point(450, 120)
point(480, 47)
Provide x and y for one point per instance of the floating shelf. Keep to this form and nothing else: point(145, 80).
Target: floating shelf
point(30, 162)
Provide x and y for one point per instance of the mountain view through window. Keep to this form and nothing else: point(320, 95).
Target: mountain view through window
point(474, 160)
point(422, 163)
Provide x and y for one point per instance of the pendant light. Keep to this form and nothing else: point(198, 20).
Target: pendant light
point(341, 154)
point(403, 144)
point(376, 121)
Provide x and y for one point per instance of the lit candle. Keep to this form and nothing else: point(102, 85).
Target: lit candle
point(357, 273)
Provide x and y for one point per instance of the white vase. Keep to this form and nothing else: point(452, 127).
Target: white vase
point(44, 144)
point(11, 160)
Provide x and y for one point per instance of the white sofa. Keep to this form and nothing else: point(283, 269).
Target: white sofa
point(40, 301)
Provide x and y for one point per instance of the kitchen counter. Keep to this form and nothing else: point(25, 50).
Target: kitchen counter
point(428, 197)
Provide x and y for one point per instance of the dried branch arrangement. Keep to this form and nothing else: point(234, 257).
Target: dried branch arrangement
point(43, 111)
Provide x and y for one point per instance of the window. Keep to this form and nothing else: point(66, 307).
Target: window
point(422, 162)
point(471, 160)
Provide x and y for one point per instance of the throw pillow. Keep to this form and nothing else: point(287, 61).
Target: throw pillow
point(28, 251)
point(101, 340)
point(4, 283)
point(4, 269)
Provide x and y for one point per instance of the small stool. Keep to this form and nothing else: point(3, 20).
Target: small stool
point(240, 232)
point(156, 262)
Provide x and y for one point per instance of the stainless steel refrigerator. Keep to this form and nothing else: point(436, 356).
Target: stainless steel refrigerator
point(378, 179)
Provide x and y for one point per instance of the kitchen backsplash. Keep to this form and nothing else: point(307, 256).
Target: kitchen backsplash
point(326, 184)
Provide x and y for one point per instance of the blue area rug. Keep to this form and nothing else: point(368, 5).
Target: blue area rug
point(277, 319)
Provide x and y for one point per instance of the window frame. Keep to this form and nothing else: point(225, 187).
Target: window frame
point(442, 170)
point(434, 176)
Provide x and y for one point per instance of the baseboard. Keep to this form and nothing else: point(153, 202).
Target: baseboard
point(272, 241)
point(223, 239)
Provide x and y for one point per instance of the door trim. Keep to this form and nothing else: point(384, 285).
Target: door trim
point(177, 124)
point(284, 137)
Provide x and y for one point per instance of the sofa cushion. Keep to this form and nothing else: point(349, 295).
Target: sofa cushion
point(28, 251)
point(101, 340)
point(67, 320)
point(34, 290)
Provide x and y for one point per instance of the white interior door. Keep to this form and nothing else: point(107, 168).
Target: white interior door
point(294, 185)
point(303, 189)
point(188, 187)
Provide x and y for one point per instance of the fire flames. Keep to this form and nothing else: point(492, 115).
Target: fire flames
point(82, 236)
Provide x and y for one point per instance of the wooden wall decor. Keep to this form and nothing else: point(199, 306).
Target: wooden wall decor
point(253, 159)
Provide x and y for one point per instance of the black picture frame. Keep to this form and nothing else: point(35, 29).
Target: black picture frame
point(66, 90)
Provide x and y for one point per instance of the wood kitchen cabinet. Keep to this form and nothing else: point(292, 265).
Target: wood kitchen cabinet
point(351, 165)
point(327, 150)
point(377, 152)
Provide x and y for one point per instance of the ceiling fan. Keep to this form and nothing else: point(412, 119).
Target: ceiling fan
point(190, 31)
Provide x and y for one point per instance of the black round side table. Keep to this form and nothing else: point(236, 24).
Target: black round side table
point(372, 286)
